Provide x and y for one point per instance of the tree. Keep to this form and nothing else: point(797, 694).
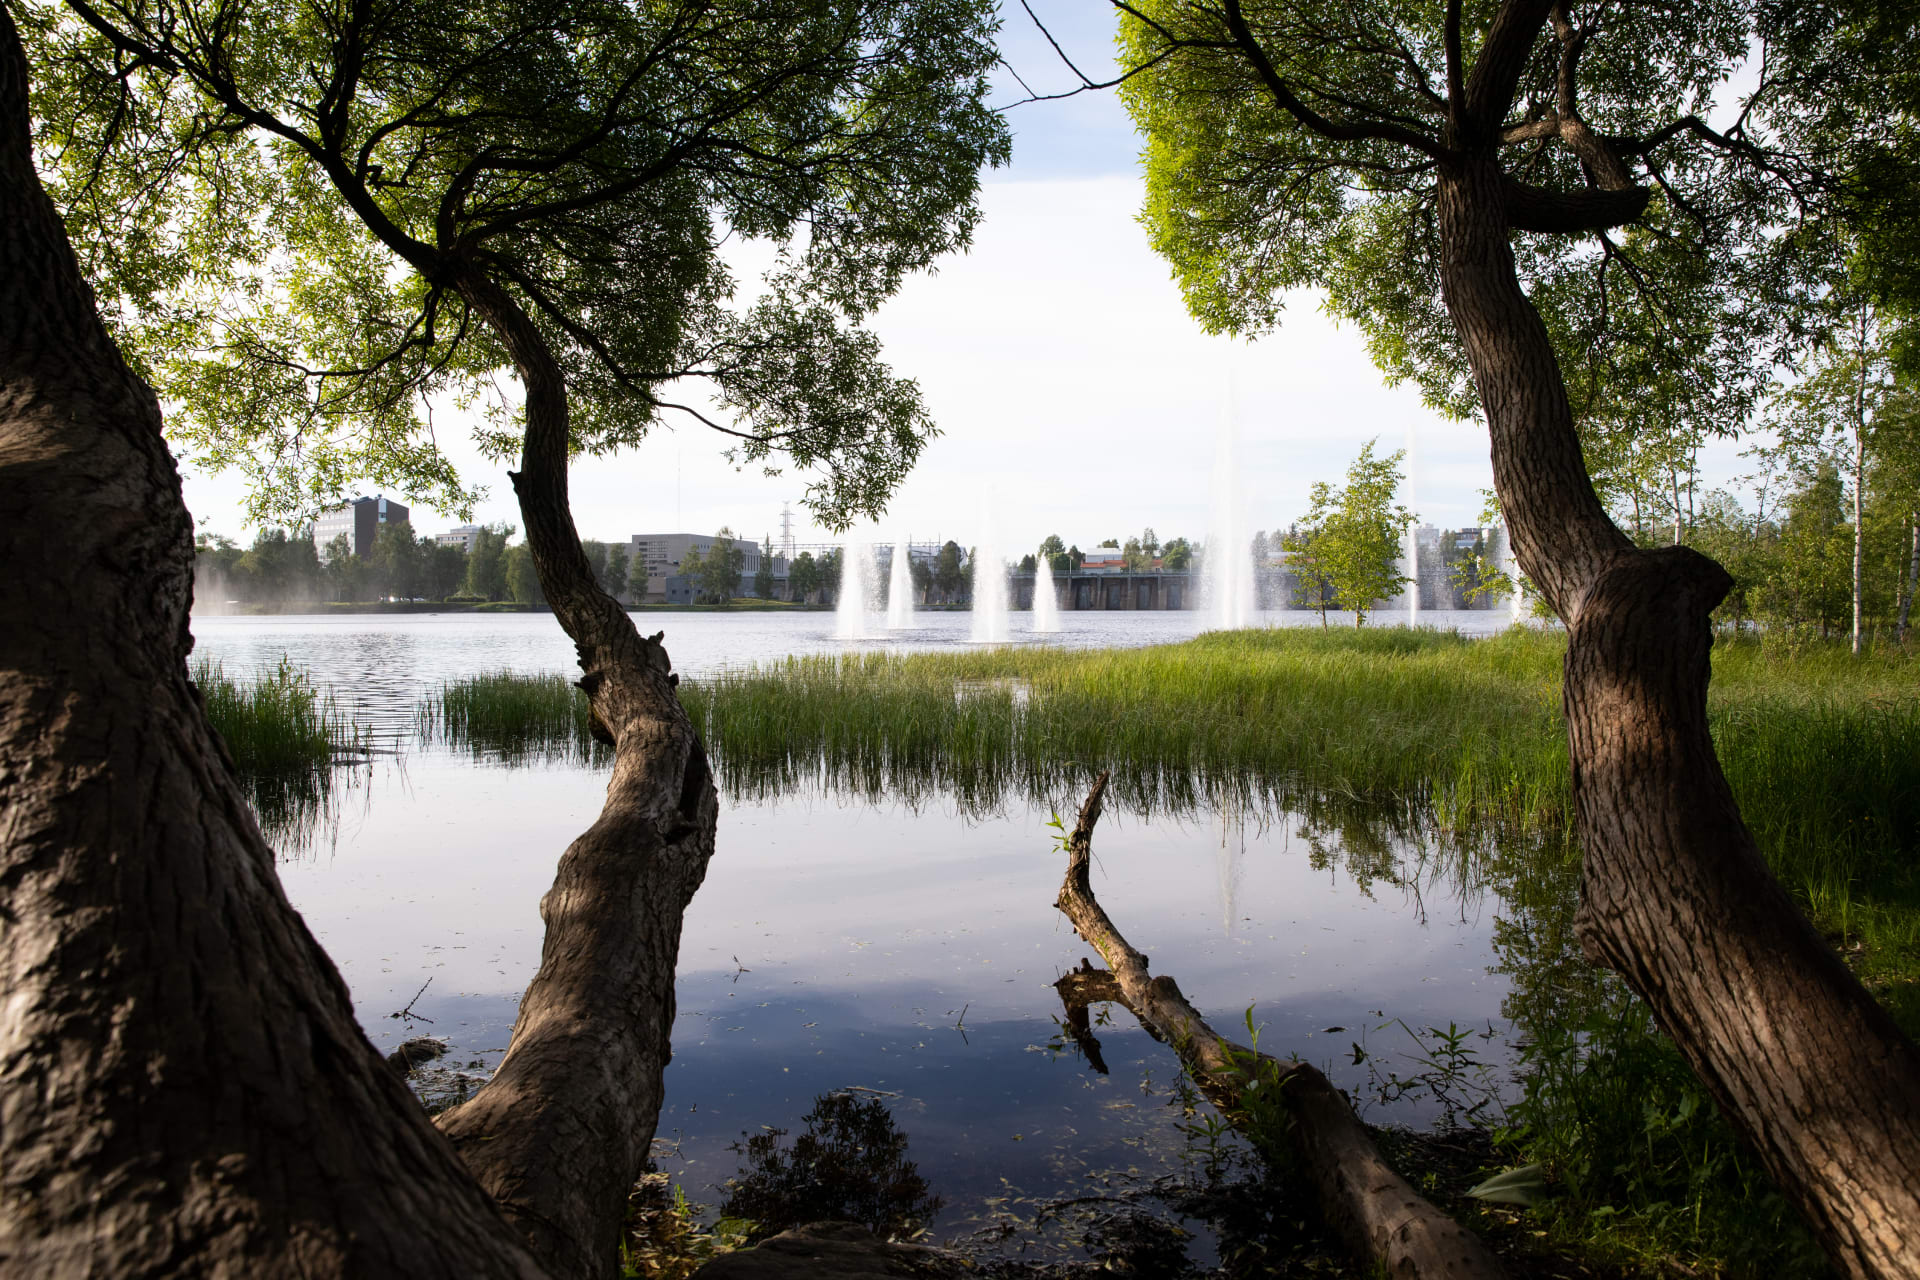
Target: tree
point(948, 576)
point(417, 197)
point(1133, 557)
point(348, 576)
point(444, 568)
point(1149, 542)
point(922, 575)
point(523, 578)
point(1075, 558)
point(1028, 563)
point(1346, 547)
point(615, 582)
point(763, 576)
point(1832, 413)
point(1051, 546)
point(395, 562)
point(1457, 181)
point(803, 577)
point(487, 563)
point(715, 573)
point(830, 563)
point(1176, 556)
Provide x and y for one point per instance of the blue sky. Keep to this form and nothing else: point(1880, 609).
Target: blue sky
point(1070, 386)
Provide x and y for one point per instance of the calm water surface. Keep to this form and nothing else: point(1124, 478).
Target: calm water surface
point(836, 943)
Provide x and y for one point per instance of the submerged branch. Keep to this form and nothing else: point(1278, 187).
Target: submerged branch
point(1384, 1221)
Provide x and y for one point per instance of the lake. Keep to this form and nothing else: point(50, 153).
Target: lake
point(907, 952)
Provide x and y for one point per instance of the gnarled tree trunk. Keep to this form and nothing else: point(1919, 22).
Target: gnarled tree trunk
point(183, 1087)
point(1675, 894)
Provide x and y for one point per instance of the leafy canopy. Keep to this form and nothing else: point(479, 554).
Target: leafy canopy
point(277, 204)
point(1671, 177)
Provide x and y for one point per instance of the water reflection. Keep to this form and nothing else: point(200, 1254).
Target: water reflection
point(849, 1164)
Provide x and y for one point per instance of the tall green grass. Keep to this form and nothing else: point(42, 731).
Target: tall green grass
point(1371, 737)
point(514, 718)
point(286, 738)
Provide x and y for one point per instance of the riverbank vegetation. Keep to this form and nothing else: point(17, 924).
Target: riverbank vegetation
point(286, 738)
point(1385, 739)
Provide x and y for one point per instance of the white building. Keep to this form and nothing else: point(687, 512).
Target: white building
point(462, 537)
point(661, 554)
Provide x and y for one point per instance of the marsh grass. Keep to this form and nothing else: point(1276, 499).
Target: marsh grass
point(516, 719)
point(289, 743)
point(1370, 740)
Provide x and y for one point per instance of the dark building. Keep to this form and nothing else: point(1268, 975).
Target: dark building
point(358, 521)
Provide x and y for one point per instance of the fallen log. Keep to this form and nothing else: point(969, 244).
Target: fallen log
point(1384, 1222)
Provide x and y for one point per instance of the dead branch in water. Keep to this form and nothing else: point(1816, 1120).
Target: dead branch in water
point(1382, 1219)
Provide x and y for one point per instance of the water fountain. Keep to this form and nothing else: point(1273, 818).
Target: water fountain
point(1412, 550)
point(1503, 561)
point(1228, 568)
point(900, 588)
point(1046, 604)
point(989, 586)
point(850, 620)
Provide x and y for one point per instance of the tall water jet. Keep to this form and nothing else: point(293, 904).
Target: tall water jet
point(856, 591)
point(1046, 604)
point(989, 586)
point(900, 587)
point(1227, 572)
point(1503, 561)
point(1411, 551)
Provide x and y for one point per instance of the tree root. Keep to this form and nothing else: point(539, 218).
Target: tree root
point(1382, 1219)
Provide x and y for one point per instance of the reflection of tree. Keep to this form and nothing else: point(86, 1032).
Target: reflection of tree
point(850, 1165)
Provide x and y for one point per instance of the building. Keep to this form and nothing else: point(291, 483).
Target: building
point(661, 553)
point(358, 522)
point(462, 537)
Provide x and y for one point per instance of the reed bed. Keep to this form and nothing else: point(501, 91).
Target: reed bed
point(286, 739)
point(514, 718)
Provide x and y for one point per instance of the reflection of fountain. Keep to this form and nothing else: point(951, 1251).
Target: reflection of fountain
point(989, 586)
point(900, 588)
point(1046, 605)
point(1228, 569)
point(1233, 851)
point(856, 590)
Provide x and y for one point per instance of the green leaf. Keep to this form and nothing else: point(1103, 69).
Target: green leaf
point(1525, 1186)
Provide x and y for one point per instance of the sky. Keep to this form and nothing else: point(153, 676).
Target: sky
point(1073, 393)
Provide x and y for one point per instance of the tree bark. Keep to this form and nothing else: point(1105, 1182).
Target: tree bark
point(1385, 1223)
point(1675, 894)
point(183, 1087)
point(560, 1133)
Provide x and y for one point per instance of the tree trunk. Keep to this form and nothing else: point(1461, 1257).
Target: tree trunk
point(183, 1087)
point(560, 1133)
point(1675, 895)
point(1913, 579)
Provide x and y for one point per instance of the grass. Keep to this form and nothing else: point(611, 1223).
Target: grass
point(285, 738)
point(516, 718)
point(1370, 735)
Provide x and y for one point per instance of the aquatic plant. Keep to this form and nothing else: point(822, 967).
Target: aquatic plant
point(290, 743)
